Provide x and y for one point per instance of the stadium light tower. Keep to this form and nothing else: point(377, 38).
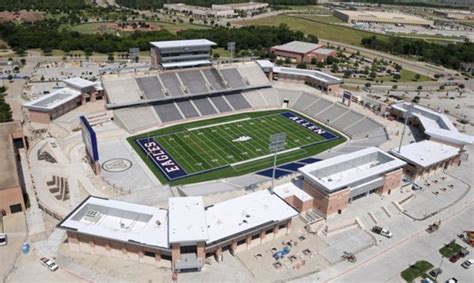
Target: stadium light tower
point(276, 144)
point(408, 115)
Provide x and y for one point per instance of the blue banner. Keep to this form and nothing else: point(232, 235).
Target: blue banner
point(161, 159)
point(309, 125)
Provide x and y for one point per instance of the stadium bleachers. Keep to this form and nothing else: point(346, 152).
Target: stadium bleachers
point(187, 108)
point(270, 95)
point(172, 83)
point(193, 81)
point(125, 90)
point(214, 78)
point(132, 118)
point(233, 78)
point(253, 74)
point(151, 87)
point(255, 99)
point(221, 105)
point(318, 107)
point(331, 113)
point(204, 106)
point(304, 101)
point(291, 95)
point(237, 101)
point(347, 119)
point(168, 112)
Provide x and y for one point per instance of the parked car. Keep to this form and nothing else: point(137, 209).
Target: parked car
point(3, 239)
point(435, 272)
point(49, 263)
point(452, 280)
point(382, 231)
point(454, 258)
point(468, 263)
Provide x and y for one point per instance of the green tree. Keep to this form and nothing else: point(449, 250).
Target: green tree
point(417, 77)
point(302, 65)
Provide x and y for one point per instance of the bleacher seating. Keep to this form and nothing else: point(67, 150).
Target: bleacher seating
point(233, 78)
point(347, 119)
point(137, 118)
point(214, 78)
point(221, 105)
point(255, 99)
point(172, 83)
point(151, 87)
point(204, 106)
point(304, 101)
point(187, 108)
point(318, 107)
point(237, 101)
point(168, 112)
point(271, 97)
point(253, 74)
point(331, 113)
point(194, 81)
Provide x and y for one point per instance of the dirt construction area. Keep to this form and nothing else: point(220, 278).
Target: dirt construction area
point(27, 16)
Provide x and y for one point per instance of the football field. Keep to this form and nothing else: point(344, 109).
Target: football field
point(198, 148)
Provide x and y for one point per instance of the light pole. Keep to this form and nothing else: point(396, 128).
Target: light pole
point(439, 267)
point(276, 144)
point(408, 114)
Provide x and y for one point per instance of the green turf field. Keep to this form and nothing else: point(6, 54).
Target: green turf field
point(210, 149)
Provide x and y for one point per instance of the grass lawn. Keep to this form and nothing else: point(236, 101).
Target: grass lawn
point(221, 51)
point(416, 270)
point(329, 19)
point(405, 76)
point(101, 27)
point(210, 149)
point(450, 249)
point(322, 30)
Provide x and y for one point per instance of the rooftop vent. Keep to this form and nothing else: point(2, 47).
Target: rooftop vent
point(92, 215)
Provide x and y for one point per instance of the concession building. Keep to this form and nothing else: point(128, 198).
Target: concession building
point(77, 92)
point(180, 237)
point(427, 157)
point(335, 182)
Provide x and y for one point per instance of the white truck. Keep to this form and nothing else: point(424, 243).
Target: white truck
point(382, 231)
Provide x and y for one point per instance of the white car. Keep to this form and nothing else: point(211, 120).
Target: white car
point(3, 239)
point(468, 263)
point(49, 263)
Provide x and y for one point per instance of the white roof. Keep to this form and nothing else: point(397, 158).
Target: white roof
point(182, 43)
point(436, 125)
point(187, 220)
point(309, 73)
point(79, 83)
point(346, 169)
point(185, 64)
point(425, 153)
point(290, 189)
point(298, 47)
point(265, 63)
point(119, 220)
point(53, 100)
point(324, 51)
point(228, 218)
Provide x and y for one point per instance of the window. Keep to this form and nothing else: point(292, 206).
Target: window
point(240, 242)
point(166, 257)
point(16, 208)
point(150, 254)
point(188, 249)
point(269, 231)
point(282, 226)
point(256, 236)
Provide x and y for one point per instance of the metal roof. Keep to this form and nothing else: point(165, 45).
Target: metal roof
point(298, 47)
point(425, 153)
point(182, 43)
point(50, 101)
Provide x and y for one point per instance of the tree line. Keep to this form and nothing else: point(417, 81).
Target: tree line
point(450, 55)
point(154, 4)
point(16, 5)
point(48, 35)
point(5, 110)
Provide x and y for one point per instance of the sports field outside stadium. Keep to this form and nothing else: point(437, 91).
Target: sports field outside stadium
point(229, 146)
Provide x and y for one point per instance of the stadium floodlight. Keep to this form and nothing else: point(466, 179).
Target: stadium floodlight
point(277, 143)
point(231, 48)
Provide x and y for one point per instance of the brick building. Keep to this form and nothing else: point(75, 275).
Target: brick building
point(335, 182)
point(11, 195)
point(180, 237)
point(427, 157)
point(299, 52)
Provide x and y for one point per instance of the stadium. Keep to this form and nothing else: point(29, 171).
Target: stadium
point(204, 123)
